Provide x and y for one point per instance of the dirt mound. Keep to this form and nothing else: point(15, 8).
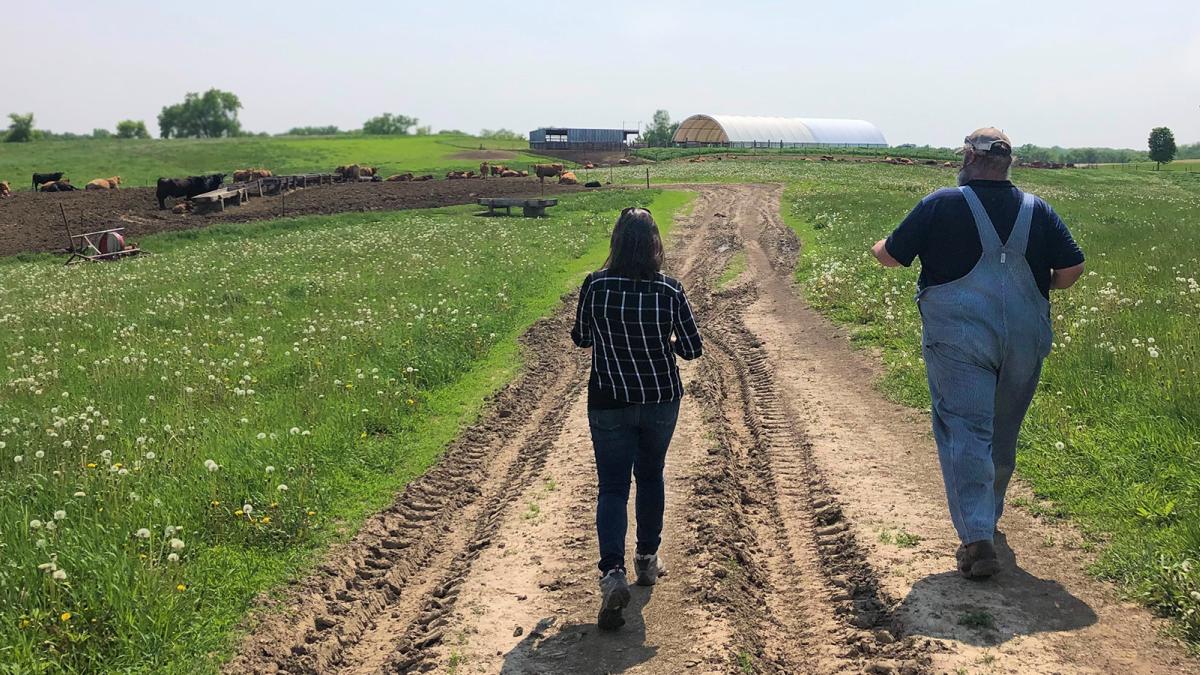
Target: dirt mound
point(485, 154)
point(31, 221)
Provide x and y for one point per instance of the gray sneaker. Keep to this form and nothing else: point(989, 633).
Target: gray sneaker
point(614, 596)
point(648, 569)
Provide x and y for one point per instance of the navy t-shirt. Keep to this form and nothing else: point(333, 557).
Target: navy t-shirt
point(941, 232)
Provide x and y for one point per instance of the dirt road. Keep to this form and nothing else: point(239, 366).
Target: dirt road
point(786, 468)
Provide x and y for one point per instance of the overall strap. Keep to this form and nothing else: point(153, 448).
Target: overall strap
point(988, 239)
point(1018, 241)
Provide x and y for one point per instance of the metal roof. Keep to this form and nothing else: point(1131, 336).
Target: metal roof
point(790, 130)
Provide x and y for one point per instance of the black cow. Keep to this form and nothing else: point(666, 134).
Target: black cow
point(58, 186)
point(187, 187)
point(39, 178)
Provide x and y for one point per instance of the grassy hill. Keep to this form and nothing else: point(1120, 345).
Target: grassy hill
point(141, 162)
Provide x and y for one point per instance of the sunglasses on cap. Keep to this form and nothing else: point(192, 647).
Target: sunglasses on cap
point(631, 209)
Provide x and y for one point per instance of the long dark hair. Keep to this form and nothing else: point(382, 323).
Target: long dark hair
point(636, 250)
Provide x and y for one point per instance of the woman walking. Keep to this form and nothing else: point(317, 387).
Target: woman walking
point(636, 320)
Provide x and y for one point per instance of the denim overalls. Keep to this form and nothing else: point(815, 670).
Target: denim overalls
point(985, 336)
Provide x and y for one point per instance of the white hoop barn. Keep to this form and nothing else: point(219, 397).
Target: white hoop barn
point(738, 131)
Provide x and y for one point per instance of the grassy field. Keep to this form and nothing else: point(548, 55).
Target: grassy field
point(1185, 165)
point(1113, 438)
point(207, 423)
point(923, 152)
point(142, 162)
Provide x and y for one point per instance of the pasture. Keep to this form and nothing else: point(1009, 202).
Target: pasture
point(185, 430)
point(1111, 439)
point(141, 162)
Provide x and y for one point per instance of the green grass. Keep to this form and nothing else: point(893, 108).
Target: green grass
point(1120, 392)
point(737, 265)
point(979, 620)
point(921, 152)
point(304, 355)
point(142, 162)
point(1185, 165)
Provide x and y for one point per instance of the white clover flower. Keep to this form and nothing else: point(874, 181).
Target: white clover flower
point(35, 524)
point(40, 543)
point(67, 443)
point(211, 465)
point(282, 487)
point(142, 533)
point(294, 430)
point(1153, 353)
point(39, 454)
point(60, 514)
point(261, 435)
point(176, 544)
point(270, 469)
point(18, 459)
point(169, 531)
point(1060, 445)
point(59, 575)
point(80, 493)
point(173, 557)
point(122, 471)
point(106, 455)
point(150, 455)
point(100, 437)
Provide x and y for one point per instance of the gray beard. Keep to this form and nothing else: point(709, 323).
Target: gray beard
point(964, 176)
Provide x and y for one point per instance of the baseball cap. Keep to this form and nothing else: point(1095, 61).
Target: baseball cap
point(987, 139)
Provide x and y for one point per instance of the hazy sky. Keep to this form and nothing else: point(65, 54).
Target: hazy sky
point(1048, 72)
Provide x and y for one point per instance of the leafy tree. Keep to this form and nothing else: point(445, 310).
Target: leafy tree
point(1190, 151)
point(661, 130)
point(424, 131)
point(209, 115)
point(101, 133)
point(21, 129)
point(1162, 146)
point(388, 124)
point(132, 129)
point(501, 135)
point(329, 130)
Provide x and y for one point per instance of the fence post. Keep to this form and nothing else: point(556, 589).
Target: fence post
point(647, 177)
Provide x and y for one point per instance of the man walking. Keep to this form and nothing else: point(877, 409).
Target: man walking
point(989, 256)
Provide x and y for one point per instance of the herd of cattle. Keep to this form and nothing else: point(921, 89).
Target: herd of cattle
point(192, 186)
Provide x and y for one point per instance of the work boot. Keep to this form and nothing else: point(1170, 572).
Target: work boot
point(614, 596)
point(977, 560)
point(648, 569)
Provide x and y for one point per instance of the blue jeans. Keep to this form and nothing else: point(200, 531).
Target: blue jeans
point(627, 440)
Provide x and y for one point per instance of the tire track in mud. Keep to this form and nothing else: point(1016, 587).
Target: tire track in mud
point(786, 536)
point(377, 603)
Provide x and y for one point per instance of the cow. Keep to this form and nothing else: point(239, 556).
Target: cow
point(588, 165)
point(418, 179)
point(622, 161)
point(186, 187)
point(57, 186)
point(455, 175)
point(41, 178)
point(509, 173)
point(181, 207)
point(483, 169)
point(4, 189)
point(568, 178)
point(524, 174)
point(545, 171)
point(104, 184)
point(498, 169)
point(400, 178)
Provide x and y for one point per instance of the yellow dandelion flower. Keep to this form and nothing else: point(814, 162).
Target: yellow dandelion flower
point(411, 402)
point(364, 435)
point(181, 588)
point(312, 513)
point(266, 519)
point(91, 465)
point(274, 505)
point(24, 623)
point(65, 616)
point(238, 513)
point(214, 503)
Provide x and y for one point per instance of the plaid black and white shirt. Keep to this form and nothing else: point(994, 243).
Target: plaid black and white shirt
point(628, 323)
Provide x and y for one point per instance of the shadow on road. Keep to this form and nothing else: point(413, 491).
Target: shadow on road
point(583, 648)
point(994, 611)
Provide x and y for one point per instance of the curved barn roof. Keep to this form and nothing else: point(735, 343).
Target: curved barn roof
point(791, 130)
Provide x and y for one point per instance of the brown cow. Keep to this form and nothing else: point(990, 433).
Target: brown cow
point(455, 175)
point(588, 165)
point(400, 177)
point(545, 171)
point(418, 179)
point(104, 184)
point(4, 189)
point(509, 173)
point(524, 174)
point(63, 185)
point(568, 178)
point(622, 161)
point(483, 169)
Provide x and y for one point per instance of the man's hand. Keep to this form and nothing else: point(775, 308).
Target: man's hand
point(1066, 277)
point(881, 254)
